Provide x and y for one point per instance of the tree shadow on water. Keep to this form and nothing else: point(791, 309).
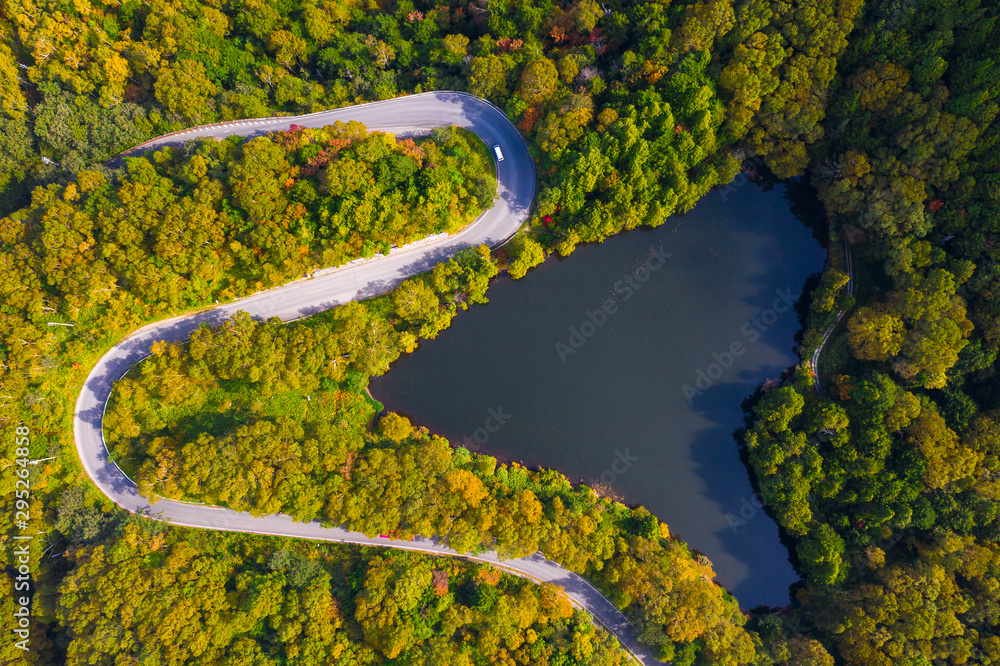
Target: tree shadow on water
point(749, 534)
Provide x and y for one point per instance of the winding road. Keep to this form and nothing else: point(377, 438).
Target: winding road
point(406, 116)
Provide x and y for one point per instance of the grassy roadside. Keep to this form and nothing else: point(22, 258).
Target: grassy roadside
point(480, 147)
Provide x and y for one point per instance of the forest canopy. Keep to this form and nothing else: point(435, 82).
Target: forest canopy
point(189, 597)
point(884, 482)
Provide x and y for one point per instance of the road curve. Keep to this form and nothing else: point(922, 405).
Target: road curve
point(413, 115)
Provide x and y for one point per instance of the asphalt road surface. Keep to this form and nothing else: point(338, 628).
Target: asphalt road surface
point(406, 116)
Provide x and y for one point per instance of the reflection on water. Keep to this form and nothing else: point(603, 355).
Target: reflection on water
point(626, 364)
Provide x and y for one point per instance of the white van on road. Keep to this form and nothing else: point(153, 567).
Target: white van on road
point(496, 150)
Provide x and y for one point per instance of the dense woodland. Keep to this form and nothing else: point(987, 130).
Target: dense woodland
point(889, 483)
point(271, 417)
point(176, 598)
point(886, 484)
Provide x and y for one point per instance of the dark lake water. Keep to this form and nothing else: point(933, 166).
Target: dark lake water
point(611, 404)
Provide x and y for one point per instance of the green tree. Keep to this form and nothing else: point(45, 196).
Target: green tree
point(487, 76)
point(186, 92)
point(257, 179)
point(821, 554)
point(539, 80)
point(526, 253)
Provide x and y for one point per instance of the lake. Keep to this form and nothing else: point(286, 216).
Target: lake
point(626, 363)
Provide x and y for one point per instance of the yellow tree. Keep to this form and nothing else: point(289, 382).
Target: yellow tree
point(948, 458)
point(874, 334)
point(183, 88)
point(538, 81)
point(12, 100)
